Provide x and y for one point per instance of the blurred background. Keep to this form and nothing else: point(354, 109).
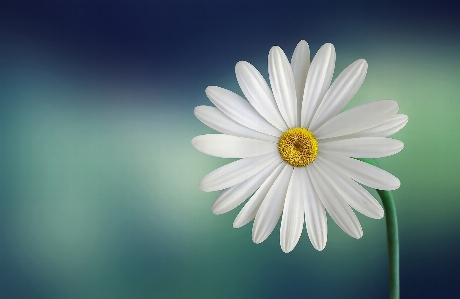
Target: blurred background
point(98, 186)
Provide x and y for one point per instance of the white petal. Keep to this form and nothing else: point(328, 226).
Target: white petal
point(249, 211)
point(256, 90)
point(240, 110)
point(270, 210)
point(340, 93)
point(318, 80)
point(300, 63)
point(315, 214)
point(213, 118)
point(358, 118)
point(227, 146)
point(292, 220)
point(352, 193)
point(234, 173)
point(386, 128)
point(283, 86)
point(361, 172)
point(339, 210)
point(363, 147)
point(232, 197)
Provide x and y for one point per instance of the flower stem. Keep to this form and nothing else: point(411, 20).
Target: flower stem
point(392, 236)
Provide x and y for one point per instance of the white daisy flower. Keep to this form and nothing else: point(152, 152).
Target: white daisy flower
point(296, 149)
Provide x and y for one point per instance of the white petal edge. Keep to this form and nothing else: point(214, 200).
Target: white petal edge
point(240, 110)
point(318, 80)
point(232, 197)
point(283, 86)
point(385, 129)
point(315, 213)
point(363, 147)
point(352, 193)
point(361, 172)
point(272, 206)
point(249, 211)
point(257, 92)
point(213, 118)
point(340, 93)
point(300, 63)
point(358, 118)
point(293, 213)
point(234, 173)
point(339, 210)
point(228, 146)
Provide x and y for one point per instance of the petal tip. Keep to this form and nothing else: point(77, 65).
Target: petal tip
point(358, 234)
point(237, 223)
point(211, 89)
point(257, 237)
point(362, 61)
point(198, 110)
point(380, 214)
point(215, 206)
point(319, 244)
point(276, 51)
point(393, 102)
point(362, 65)
point(240, 65)
point(319, 248)
point(193, 141)
point(286, 248)
point(303, 44)
point(200, 186)
point(203, 186)
point(397, 184)
point(328, 47)
point(215, 211)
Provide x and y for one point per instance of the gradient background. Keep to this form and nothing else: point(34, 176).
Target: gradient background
point(98, 187)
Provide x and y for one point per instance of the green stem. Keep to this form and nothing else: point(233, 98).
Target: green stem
point(392, 236)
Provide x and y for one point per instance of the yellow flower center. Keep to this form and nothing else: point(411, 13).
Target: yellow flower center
point(298, 147)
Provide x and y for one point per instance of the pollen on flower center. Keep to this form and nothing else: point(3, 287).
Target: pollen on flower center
point(298, 147)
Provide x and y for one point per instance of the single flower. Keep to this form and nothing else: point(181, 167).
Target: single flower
point(296, 149)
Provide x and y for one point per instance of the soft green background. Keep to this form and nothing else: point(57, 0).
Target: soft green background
point(99, 180)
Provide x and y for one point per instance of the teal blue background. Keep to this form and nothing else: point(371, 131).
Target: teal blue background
point(98, 186)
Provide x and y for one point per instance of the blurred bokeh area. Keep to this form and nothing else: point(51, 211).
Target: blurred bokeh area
point(99, 182)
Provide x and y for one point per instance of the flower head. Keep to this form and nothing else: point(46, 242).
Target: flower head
point(297, 152)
